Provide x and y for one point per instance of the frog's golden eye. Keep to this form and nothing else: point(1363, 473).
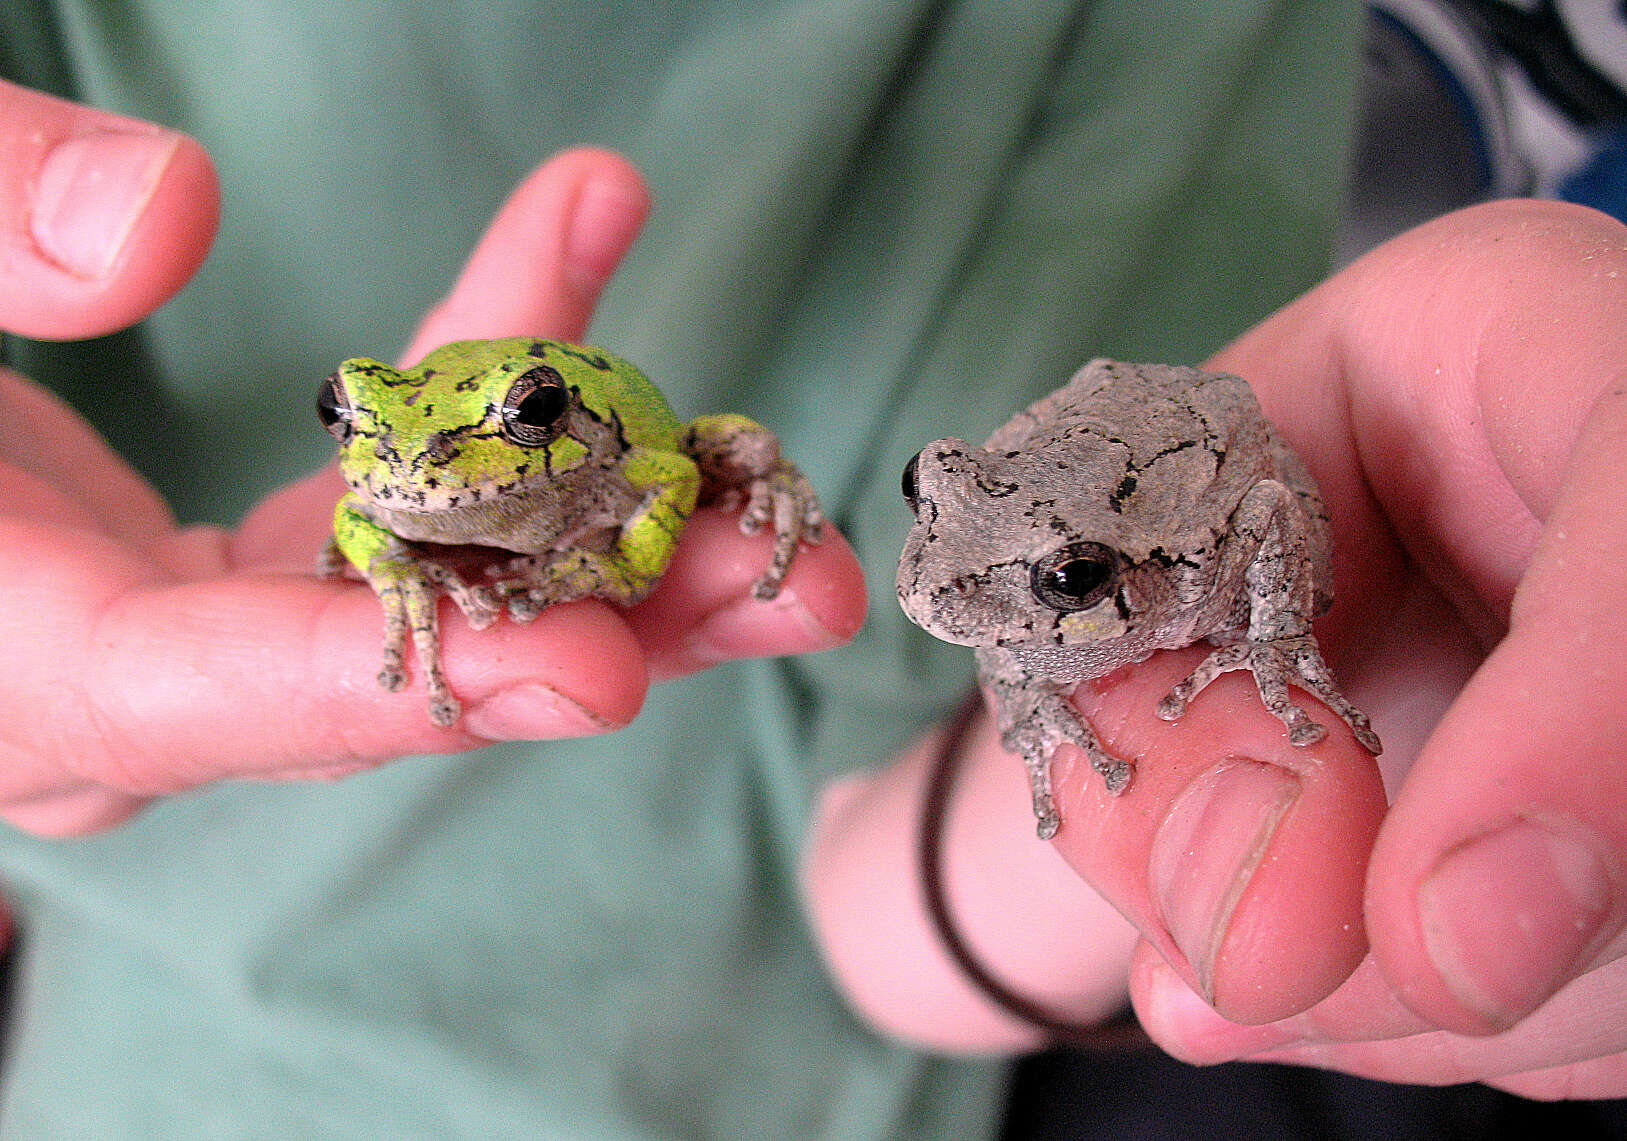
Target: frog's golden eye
point(534, 409)
point(1075, 576)
point(333, 408)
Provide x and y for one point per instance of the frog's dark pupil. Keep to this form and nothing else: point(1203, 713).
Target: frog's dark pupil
point(908, 480)
point(534, 409)
point(541, 407)
point(1075, 577)
point(1078, 578)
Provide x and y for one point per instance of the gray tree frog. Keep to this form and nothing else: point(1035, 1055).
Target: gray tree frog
point(520, 473)
point(1138, 508)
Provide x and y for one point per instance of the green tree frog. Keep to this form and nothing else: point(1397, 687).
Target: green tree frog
point(519, 473)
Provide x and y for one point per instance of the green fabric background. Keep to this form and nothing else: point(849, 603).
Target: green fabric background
point(878, 222)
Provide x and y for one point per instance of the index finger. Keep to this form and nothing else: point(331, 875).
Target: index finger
point(1238, 855)
point(542, 263)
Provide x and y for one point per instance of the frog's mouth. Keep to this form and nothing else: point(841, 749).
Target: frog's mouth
point(455, 518)
point(421, 494)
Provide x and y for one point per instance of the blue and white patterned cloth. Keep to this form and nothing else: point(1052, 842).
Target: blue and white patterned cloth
point(1466, 100)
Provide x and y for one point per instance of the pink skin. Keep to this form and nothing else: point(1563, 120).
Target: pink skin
point(83, 264)
point(147, 659)
point(1461, 395)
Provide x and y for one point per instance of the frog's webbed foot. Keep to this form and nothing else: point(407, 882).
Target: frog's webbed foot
point(1276, 665)
point(478, 601)
point(785, 498)
point(740, 462)
point(531, 583)
point(1032, 725)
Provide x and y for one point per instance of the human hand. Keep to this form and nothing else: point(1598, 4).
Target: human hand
point(148, 658)
point(1461, 395)
point(1467, 433)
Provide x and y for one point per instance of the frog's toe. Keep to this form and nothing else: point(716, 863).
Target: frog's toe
point(479, 604)
point(1171, 707)
point(767, 586)
point(444, 710)
point(392, 676)
point(1047, 820)
point(1306, 732)
point(1116, 774)
point(481, 619)
point(524, 607)
point(1365, 735)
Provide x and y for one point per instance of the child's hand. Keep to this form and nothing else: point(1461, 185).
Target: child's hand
point(144, 659)
point(1461, 397)
point(1477, 370)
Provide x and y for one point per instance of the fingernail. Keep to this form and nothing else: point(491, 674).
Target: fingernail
point(751, 628)
point(1186, 1024)
point(1507, 916)
point(533, 713)
point(603, 223)
point(90, 192)
point(1207, 850)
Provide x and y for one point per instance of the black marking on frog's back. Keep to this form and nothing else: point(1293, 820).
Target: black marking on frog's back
point(594, 360)
point(1123, 491)
point(591, 359)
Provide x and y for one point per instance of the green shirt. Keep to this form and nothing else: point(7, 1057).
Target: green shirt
point(878, 223)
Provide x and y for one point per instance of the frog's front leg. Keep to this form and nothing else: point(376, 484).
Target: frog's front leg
point(1268, 542)
point(740, 459)
point(1035, 717)
point(629, 570)
point(409, 599)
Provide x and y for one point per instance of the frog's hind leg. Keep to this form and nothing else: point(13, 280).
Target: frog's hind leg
point(541, 581)
point(739, 460)
point(1268, 551)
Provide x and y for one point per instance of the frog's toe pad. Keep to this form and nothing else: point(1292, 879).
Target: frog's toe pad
point(1306, 732)
point(1116, 775)
point(767, 587)
point(445, 710)
point(1047, 821)
point(525, 606)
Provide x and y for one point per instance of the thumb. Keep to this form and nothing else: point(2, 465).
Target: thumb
point(1502, 873)
point(541, 264)
point(102, 218)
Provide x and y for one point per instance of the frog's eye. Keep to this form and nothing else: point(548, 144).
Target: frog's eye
point(333, 409)
point(1075, 576)
point(907, 483)
point(534, 409)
